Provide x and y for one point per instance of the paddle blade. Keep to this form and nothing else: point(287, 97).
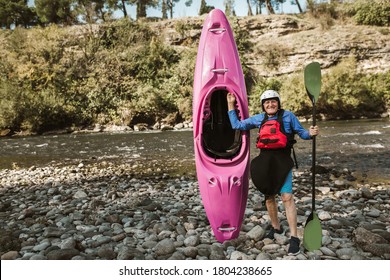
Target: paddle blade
point(312, 234)
point(313, 80)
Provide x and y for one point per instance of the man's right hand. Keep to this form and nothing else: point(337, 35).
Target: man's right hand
point(231, 98)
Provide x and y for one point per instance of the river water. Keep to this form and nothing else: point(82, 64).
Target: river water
point(362, 146)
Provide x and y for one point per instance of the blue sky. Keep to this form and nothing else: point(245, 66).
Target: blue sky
point(181, 10)
point(240, 6)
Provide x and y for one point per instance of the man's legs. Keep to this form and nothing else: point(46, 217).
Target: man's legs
point(272, 209)
point(291, 212)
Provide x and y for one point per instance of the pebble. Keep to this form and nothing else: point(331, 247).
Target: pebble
point(104, 211)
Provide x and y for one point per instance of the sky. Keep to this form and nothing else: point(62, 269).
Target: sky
point(181, 10)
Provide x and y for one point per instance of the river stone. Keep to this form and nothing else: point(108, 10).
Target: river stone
point(191, 252)
point(379, 250)
point(164, 247)
point(177, 256)
point(324, 216)
point(375, 213)
point(256, 233)
point(192, 241)
point(328, 252)
point(80, 194)
point(106, 253)
point(62, 254)
point(42, 246)
point(204, 250)
point(11, 255)
point(263, 256)
point(237, 255)
point(366, 193)
point(128, 253)
point(363, 237)
point(217, 253)
point(271, 247)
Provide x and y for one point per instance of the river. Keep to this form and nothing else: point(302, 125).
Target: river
point(362, 146)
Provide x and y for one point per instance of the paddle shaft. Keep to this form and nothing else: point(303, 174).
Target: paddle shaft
point(313, 164)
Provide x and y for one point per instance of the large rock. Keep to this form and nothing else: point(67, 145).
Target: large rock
point(371, 242)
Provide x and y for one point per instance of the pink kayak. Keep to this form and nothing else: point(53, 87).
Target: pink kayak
point(221, 153)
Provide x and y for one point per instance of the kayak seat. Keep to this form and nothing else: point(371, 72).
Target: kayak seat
point(219, 140)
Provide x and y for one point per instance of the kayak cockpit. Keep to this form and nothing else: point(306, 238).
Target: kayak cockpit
point(219, 139)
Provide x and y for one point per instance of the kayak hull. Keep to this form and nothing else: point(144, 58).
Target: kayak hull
point(221, 153)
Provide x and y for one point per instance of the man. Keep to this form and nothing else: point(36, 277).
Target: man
point(271, 171)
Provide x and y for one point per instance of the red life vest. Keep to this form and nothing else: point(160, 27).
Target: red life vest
point(272, 134)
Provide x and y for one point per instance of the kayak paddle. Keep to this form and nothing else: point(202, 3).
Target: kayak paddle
point(312, 235)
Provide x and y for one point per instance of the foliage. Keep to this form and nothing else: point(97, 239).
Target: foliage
point(345, 93)
point(274, 54)
point(55, 11)
point(373, 12)
point(348, 93)
point(16, 13)
point(324, 13)
point(178, 89)
point(118, 72)
point(244, 44)
point(204, 8)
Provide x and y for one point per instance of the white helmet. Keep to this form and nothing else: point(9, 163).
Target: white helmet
point(269, 94)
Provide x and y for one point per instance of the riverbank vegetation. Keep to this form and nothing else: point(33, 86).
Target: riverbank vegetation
point(123, 72)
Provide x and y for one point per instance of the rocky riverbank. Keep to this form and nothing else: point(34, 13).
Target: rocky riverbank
point(107, 210)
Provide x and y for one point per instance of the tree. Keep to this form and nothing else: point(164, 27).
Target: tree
point(142, 5)
point(55, 11)
point(16, 12)
point(164, 9)
point(92, 11)
point(249, 8)
point(118, 5)
point(272, 5)
point(270, 9)
point(169, 4)
point(258, 4)
point(229, 7)
point(204, 8)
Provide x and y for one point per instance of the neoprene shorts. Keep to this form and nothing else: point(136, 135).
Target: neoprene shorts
point(287, 186)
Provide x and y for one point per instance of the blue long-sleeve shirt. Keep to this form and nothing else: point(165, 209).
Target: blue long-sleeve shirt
point(290, 122)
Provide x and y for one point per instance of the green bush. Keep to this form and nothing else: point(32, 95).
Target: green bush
point(22, 109)
point(324, 13)
point(179, 87)
point(345, 93)
point(294, 96)
point(369, 12)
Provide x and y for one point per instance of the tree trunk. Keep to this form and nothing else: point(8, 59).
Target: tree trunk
point(102, 14)
point(299, 6)
point(124, 8)
point(269, 7)
point(249, 8)
point(171, 8)
point(258, 7)
point(141, 9)
point(164, 10)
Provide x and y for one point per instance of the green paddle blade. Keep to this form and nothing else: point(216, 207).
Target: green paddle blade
point(312, 234)
point(313, 80)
